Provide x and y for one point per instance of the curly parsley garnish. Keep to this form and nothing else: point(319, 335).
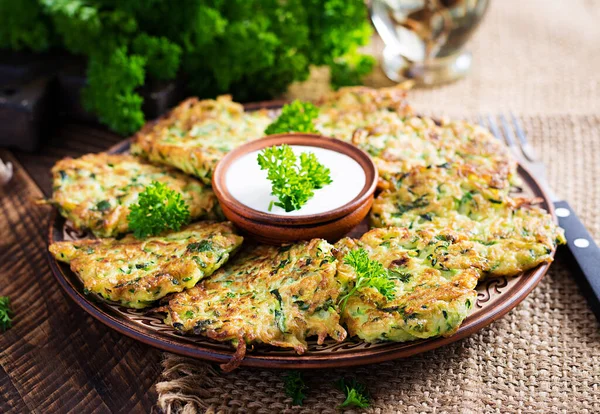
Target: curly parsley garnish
point(369, 273)
point(294, 387)
point(158, 208)
point(295, 117)
point(291, 183)
point(5, 314)
point(355, 393)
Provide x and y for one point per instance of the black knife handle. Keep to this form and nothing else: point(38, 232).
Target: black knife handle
point(585, 252)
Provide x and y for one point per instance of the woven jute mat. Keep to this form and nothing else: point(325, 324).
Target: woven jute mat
point(541, 60)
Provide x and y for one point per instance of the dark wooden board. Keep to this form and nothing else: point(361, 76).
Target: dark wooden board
point(57, 358)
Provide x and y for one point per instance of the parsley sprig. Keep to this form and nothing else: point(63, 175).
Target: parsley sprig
point(291, 183)
point(158, 208)
point(5, 314)
point(295, 117)
point(294, 387)
point(369, 273)
point(355, 393)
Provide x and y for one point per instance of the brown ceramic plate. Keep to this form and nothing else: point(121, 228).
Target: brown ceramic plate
point(495, 297)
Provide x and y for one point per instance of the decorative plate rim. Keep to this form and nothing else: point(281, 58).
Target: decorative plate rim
point(309, 360)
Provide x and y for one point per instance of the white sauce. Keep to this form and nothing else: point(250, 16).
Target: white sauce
point(249, 185)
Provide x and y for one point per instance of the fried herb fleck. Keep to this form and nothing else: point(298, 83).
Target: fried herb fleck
point(201, 246)
point(103, 205)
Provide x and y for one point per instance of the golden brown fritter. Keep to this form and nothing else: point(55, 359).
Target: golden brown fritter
point(344, 112)
point(272, 295)
point(136, 273)
point(398, 147)
point(196, 134)
point(95, 191)
point(513, 234)
point(429, 299)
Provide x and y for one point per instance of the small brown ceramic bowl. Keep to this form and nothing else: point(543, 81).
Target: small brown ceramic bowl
point(277, 228)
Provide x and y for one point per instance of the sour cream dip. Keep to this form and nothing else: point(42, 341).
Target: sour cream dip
point(249, 185)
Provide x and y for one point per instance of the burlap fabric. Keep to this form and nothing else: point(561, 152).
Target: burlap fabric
point(541, 60)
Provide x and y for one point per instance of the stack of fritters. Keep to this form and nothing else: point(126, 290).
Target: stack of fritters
point(445, 213)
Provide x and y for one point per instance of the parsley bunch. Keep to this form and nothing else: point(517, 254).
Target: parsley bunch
point(158, 208)
point(295, 117)
point(24, 26)
point(251, 48)
point(295, 387)
point(292, 184)
point(5, 313)
point(369, 273)
point(355, 393)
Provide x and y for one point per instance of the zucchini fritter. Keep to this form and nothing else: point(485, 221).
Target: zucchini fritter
point(196, 134)
point(398, 147)
point(431, 299)
point(512, 234)
point(267, 294)
point(96, 190)
point(136, 272)
point(341, 113)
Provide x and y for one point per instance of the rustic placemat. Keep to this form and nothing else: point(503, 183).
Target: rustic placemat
point(544, 356)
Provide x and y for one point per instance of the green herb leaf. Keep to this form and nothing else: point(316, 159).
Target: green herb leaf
point(5, 314)
point(294, 387)
point(369, 273)
point(111, 90)
point(202, 246)
point(401, 276)
point(291, 183)
point(295, 117)
point(355, 393)
point(103, 205)
point(316, 172)
point(158, 208)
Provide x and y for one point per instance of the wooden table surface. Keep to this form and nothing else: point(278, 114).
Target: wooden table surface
point(56, 358)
